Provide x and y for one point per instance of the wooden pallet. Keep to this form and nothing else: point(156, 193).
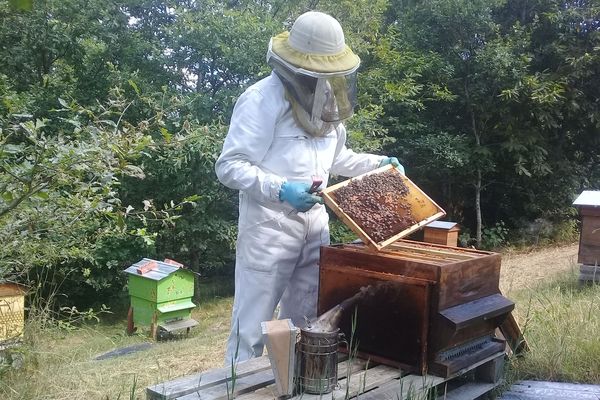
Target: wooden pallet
point(540, 390)
point(357, 379)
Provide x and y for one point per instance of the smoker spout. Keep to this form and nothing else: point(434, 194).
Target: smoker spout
point(329, 321)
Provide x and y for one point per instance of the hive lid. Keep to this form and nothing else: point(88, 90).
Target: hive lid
point(588, 198)
point(404, 213)
point(159, 271)
point(12, 289)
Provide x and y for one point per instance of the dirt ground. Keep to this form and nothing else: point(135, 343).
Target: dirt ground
point(521, 270)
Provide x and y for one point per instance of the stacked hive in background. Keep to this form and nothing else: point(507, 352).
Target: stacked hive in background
point(588, 204)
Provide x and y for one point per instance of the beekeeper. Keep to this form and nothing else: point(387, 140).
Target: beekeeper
point(285, 130)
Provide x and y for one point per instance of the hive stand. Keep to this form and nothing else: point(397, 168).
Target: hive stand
point(357, 379)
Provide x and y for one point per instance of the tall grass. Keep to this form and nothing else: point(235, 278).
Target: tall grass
point(60, 363)
point(561, 323)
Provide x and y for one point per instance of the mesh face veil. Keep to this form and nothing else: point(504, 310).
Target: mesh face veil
point(320, 101)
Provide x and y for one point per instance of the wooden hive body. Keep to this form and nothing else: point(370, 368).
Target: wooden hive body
point(445, 233)
point(589, 241)
point(436, 298)
point(12, 313)
point(588, 203)
point(160, 295)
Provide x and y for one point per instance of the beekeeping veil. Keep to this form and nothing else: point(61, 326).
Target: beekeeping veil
point(318, 71)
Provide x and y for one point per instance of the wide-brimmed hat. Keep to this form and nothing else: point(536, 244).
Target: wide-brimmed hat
point(315, 43)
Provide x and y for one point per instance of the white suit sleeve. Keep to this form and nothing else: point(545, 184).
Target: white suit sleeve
point(348, 163)
point(250, 135)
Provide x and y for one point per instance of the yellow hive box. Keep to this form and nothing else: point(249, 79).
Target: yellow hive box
point(12, 313)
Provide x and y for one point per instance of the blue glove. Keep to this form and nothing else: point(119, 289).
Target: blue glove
point(394, 161)
point(296, 193)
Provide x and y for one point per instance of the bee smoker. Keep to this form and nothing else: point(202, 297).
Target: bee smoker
point(317, 348)
point(317, 357)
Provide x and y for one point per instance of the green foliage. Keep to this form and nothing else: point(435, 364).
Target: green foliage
point(59, 182)
point(340, 233)
point(112, 115)
point(494, 237)
point(478, 97)
point(182, 169)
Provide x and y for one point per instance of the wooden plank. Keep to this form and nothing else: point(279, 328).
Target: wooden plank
point(192, 383)
point(512, 333)
point(539, 390)
point(442, 253)
point(357, 384)
point(179, 324)
point(468, 391)
point(566, 386)
point(270, 392)
point(228, 390)
point(487, 307)
point(417, 386)
point(407, 387)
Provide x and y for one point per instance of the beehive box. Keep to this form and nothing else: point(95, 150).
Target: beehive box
point(12, 313)
point(161, 296)
point(381, 206)
point(435, 308)
point(441, 232)
point(588, 204)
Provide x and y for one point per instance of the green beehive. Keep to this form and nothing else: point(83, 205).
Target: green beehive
point(161, 296)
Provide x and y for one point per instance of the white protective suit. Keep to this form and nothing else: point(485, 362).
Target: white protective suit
point(278, 247)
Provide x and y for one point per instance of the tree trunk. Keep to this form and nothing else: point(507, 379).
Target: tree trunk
point(478, 180)
point(478, 208)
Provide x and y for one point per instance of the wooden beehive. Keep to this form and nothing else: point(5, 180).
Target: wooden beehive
point(422, 208)
point(12, 313)
point(441, 232)
point(438, 309)
point(588, 204)
point(161, 295)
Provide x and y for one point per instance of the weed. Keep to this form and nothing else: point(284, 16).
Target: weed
point(561, 327)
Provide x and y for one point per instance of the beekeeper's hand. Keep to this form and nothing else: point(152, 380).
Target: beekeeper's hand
point(297, 195)
point(394, 161)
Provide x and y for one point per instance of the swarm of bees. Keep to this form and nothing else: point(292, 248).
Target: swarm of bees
point(375, 203)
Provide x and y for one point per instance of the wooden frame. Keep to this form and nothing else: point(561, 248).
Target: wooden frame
point(423, 208)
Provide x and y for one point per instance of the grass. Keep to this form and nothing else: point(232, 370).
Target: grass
point(561, 323)
point(60, 364)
